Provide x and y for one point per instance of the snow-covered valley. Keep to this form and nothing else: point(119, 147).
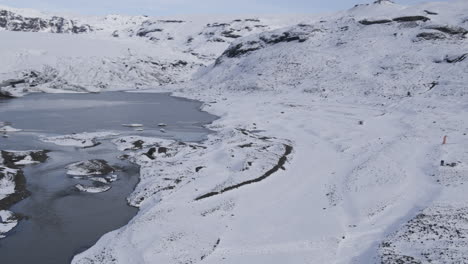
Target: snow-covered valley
point(329, 147)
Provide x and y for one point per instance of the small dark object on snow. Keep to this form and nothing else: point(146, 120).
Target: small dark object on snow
point(138, 144)
point(431, 13)
point(150, 153)
point(361, 122)
point(442, 163)
point(453, 164)
point(456, 59)
point(162, 150)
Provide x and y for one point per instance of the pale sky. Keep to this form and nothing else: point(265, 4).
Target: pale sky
point(175, 7)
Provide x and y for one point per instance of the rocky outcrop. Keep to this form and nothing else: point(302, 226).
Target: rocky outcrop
point(15, 22)
point(90, 167)
point(411, 19)
point(431, 36)
point(299, 33)
point(11, 164)
point(451, 30)
point(455, 58)
point(15, 159)
point(20, 191)
point(373, 22)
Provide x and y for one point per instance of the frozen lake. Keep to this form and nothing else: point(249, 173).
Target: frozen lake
point(61, 221)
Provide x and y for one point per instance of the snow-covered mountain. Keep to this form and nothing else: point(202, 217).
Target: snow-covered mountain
point(114, 52)
point(15, 22)
point(329, 146)
point(387, 49)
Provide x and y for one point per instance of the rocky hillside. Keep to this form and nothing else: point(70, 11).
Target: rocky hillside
point(15, 22)
point(374, 49)
point(121, 52)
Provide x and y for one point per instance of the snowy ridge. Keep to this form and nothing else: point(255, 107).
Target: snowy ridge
point(116, 52)
point(346, 52)
point(15, 22)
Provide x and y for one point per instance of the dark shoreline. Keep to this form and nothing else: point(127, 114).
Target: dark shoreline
point(21, 191)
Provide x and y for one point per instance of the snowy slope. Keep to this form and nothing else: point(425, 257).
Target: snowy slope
point(114, 52)
point(329, 145)
point(330, 58)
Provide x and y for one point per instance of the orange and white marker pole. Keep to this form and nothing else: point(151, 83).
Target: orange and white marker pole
point(445, 140)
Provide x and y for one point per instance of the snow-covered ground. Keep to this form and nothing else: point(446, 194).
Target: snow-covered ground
point(328, 149)
point(119, 52)
point(7, 222)
point(82, 140)
point(7, 184)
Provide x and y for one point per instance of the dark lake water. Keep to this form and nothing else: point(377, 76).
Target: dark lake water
point(61, 221)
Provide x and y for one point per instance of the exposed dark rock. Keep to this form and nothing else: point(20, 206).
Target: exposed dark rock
point(214, 248)
point(162, 150)
point(171, 21)
point(10, 157)
point(11, 83)
point(430, 13)
point(216, 40)
point(383, 1)
point(431, 36)
point(455, 59)
point(123, 157)
point(138, 144)
point(249, 145)
point(280, 165)
point(16, 82)
point(432, 85)
point(150, 153)
point(373, 22)
point(9, 160)
point(299, 34)
point(179, 63)
point(144, 32)
point(218, 25)
point(435, 235)
point(20, 190)
point(450, 30)
point(453, 164)
point(411, 19)
point(239, 49)
point(90, 167)
point(230, 34)
point(285, 37)
point(14, 22)
point(95, 144)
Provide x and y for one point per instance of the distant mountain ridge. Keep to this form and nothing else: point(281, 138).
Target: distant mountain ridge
point(14, 22)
